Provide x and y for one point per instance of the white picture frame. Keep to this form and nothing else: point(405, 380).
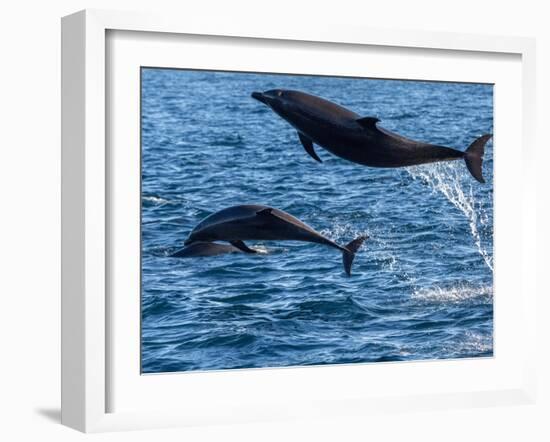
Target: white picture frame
point(87, 355)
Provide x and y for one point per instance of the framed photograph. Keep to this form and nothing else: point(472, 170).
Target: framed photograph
point(267, 222)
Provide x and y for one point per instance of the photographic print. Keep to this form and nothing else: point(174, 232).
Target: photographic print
point(298, 220)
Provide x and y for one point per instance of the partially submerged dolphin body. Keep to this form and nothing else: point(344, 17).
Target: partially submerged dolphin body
point(361, 140)
point(205, 249)
point(257, 222)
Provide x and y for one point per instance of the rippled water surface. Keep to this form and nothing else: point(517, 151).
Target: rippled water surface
point(421, 286)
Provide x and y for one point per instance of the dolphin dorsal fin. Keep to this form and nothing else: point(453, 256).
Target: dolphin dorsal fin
point(264, 212)
point(368, 122)
point(269, 212)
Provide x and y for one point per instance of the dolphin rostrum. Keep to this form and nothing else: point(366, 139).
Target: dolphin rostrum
point(257, 222)
point(361, 140)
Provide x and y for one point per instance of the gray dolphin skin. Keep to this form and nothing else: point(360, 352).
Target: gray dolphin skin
point(360, 139)
point(257, 222)
point(205, 249)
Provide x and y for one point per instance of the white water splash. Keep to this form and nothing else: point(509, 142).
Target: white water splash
point(445, 179)
point(157, 200)
point(470, 343)
point(261, 249)
point(342, 232)
point(459, 293)
point(381, 250)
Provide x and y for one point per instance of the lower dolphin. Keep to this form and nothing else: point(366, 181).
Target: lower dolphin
point(258, 222)
point(205, 249)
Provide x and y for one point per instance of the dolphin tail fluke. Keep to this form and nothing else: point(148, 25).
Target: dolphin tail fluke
point(349, 253)
point(474, 157)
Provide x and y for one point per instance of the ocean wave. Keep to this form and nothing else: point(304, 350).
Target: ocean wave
point(160, 251)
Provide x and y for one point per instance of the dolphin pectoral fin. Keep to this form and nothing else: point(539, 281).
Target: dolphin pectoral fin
point(242, 246)
point(308, 146)
point(368, 122)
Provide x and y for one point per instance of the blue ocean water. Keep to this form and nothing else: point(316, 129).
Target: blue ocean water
point(421, 286)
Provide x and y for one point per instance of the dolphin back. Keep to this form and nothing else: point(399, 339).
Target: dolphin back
point(314, 105)
point(229, 214)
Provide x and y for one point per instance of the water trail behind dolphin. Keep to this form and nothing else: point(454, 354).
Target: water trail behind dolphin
point(446, 179)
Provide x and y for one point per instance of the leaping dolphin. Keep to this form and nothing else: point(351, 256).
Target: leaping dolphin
point(361, 140)
point(257, 222)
